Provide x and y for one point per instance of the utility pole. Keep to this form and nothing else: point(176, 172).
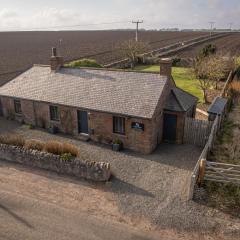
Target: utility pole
point(211, 27)
point(137, 23)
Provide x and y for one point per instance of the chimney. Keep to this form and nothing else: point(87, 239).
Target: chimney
point(166, 67)
point(56, 61)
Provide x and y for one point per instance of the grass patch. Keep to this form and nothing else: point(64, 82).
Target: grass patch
point(226, 133)
point(225, 197)
point(182, 77)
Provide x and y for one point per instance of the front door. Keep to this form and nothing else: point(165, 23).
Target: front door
point(169, 127)
point(82, 122)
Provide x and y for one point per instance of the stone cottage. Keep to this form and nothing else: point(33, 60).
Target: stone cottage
point(142, 109)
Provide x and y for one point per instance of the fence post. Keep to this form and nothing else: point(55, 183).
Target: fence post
point(202, 169)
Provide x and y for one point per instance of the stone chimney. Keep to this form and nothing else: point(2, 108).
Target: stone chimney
point(166, 67)
point(56, 61)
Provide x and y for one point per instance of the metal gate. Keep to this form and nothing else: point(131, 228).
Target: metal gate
point(196, 131)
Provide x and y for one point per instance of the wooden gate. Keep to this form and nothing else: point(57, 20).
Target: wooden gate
point(196, 131)
point(219, 172)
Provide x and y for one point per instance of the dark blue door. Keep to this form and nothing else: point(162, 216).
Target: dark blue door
point(169, 127)
point(82, 122)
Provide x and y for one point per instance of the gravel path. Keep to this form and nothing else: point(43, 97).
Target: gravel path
point(149, 189)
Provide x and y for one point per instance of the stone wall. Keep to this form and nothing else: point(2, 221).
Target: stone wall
point(96, 171)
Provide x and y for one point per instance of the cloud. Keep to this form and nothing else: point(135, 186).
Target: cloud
point(155, 13)
point(8, 19)
point(7, 13)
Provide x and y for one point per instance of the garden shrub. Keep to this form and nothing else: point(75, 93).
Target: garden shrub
point(12, 139)
point(69, 148)
point(53, 147)
point(34, 145)
point(59, 148)
point(84, 63)
point(235, 88)
point(66, 156)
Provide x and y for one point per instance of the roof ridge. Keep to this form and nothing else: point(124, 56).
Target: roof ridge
point(114, 70)
point(40, 65)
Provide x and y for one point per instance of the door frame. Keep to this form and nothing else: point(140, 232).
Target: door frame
point(79, 122)
point(176, 116)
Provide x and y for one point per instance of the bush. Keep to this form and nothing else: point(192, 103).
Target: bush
point(176, 61)
point(69, 148)
point(34, 145)
point(238, 72)
point(66, 156)
point(59, 148)
point(84, 63)
point(235, 88)
point(206, 51)
point(53, 147)
point(12, 139)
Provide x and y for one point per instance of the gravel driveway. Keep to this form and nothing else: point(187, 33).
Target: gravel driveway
point(149, 189)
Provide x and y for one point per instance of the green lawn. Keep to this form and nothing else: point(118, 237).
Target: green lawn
point(182, 78)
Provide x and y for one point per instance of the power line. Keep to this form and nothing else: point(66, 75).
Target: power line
point(137, 23)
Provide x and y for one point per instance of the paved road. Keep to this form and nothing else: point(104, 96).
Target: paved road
point(27, 218)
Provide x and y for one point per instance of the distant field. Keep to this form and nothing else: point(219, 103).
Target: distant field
point(182, 78)
point(226, 46)
point(20, 50)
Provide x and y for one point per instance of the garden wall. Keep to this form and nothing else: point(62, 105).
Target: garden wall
point(96, 171)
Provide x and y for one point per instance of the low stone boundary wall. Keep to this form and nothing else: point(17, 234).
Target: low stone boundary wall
point(96, 171)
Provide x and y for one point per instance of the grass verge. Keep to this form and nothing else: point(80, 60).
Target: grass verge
point(182, 78)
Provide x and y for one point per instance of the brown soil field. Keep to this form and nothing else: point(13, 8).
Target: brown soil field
point(226, 46)
point(20, 50)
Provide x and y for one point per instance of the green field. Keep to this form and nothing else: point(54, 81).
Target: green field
point(182, 78)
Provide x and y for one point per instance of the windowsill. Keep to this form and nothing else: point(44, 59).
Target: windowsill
point(120, 134)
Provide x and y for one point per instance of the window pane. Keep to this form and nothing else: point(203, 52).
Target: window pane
point(54, 113)
point(17, 106)
point(119, 125)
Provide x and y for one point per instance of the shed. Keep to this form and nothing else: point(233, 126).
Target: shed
point(217, 108)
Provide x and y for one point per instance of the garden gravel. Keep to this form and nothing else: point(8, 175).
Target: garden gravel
point(149, 189)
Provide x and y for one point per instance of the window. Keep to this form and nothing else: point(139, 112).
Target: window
point(119, 125)
point(54, 115)
point(17, 106)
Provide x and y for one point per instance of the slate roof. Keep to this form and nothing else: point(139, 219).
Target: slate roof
point(179, 100)
point(217, 106)
point(126, 93)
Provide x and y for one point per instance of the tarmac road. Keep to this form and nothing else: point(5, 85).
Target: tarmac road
point(27, 218)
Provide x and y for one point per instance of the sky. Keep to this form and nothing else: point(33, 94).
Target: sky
point(115, 14)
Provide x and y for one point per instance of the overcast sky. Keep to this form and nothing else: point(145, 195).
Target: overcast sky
point(28, 14)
